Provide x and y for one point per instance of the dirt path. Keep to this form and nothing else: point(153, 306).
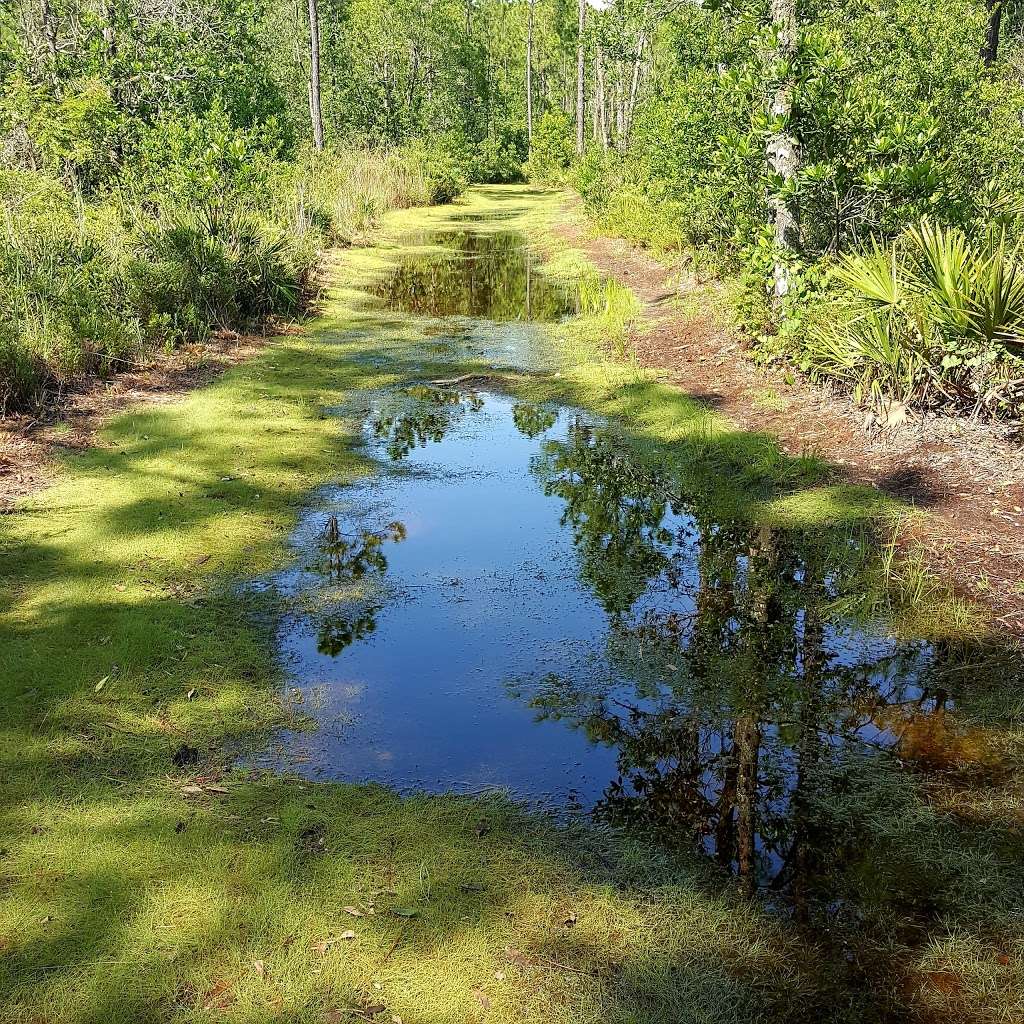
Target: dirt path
point(966, 476)
point(30, 443)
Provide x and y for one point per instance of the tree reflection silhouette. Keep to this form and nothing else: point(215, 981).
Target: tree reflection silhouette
point(741, 696)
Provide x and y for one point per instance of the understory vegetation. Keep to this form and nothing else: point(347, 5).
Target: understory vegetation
point(887, 135)
point(160, 180)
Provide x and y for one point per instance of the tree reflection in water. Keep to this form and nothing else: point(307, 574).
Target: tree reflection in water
point(422, 415)
point(741, 695)
point(476, 274)
point(347, 559)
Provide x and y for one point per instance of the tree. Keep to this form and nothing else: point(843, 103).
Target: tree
point(990, 50)
point(782, 148)
point(529, 70)
point(580, 74)
point(314, 76)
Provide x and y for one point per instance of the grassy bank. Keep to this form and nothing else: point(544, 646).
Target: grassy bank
point(88, 288)
point(144, 878)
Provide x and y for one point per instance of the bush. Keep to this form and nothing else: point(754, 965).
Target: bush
point(216, 268)
point(553, 150)
point(935, 319)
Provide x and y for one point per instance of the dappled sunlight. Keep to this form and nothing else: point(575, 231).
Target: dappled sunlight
point(149, 875)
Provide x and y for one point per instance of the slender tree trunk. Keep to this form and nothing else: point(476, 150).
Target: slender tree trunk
point(314, 77)
point(634, 88)
point(782, 149)
point(602, 101)
point(580, 76)
point(990, 51)
point(529, 71)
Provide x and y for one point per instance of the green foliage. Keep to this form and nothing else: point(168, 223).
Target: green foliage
point(215, 268)
point(552, 152)
point(935, 318)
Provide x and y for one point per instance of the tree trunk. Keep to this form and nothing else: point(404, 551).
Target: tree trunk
point(314, 77)
point(990, 51)
point(580, 75)
point(602, 102)
point(634, 89)
point(782, 149)
point(529, 71)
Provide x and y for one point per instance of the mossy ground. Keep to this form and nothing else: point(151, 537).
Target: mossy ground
point(138, 887)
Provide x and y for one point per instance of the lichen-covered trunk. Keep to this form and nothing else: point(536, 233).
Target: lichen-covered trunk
point(783, 149)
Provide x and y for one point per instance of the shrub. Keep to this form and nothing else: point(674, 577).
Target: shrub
point(936, 318)
point(217, 268)
point(553, 150)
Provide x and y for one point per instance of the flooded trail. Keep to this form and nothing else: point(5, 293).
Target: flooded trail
point(514, 599)
point(528, 595)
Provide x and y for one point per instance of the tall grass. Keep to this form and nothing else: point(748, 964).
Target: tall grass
point(85, 288)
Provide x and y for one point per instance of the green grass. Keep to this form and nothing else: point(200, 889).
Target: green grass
point(136, 890)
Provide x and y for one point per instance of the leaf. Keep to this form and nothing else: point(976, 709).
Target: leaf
point(517, 957)
point(353, 911)
point(482, 998)
point(191, 693)
point(219, 997)
point(103, 682)
point(570, 919)
point(191, 790)
point(260, 968)
point(348, 936)
point(405, 912)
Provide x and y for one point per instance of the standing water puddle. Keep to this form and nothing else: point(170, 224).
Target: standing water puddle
point(515, 601)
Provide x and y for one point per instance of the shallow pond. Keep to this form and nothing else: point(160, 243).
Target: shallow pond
point(516, 600)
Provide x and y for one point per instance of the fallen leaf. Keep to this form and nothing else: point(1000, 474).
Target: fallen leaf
point(260, 968)
point(191, 693)
point(347, 936)
point(323, 947)
point(353, 911)
point(202, 560)
point(371, 1010)
point(120, 588)
point(191, 790)
point(516, 957)
point(499, 975)
point(395, 1019)
point(481, 998)
point(405, 912)
point(103, 682)
point(570, 920)
point(219, 996)
point(216, 789)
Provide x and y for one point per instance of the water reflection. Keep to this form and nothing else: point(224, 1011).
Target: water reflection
point(489, 275)
point(420, 415)
point(742, 701)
